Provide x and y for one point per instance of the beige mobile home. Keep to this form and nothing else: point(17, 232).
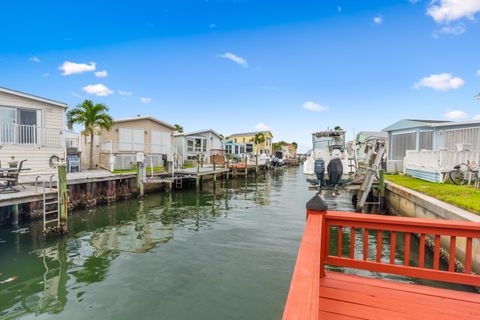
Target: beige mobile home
point(31, 128)
point(116, 149)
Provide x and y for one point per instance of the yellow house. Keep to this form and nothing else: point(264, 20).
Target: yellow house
point(246, 141)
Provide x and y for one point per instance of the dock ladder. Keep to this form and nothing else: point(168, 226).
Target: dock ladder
point(179, 183)
point(51, 210)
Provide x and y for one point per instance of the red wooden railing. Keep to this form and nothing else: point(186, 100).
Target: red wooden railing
point(314, 252)
point(423, 228)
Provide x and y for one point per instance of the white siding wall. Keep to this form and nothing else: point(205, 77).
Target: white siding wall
point(52, 116)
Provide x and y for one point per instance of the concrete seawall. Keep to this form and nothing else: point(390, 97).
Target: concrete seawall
point(408, 203)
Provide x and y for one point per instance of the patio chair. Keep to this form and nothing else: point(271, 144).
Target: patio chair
point(10, 179)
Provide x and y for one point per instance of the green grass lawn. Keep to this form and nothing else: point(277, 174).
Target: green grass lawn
point(464, 197)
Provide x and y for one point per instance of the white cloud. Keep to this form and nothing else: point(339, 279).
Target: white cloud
point(378, 20)
point(145, 100)
point(75, 94)
point(451, 30)
point(101, 74)
point(450, 10)
point(34, 59)
point(70, 68)
point(125, 93)
point(212, 25)
point(98, 90)
point(313, 106)
point(455, 114)
point(476, 117)
point(234, 58)
point(339, 9)
point(262, 127)
point(478, 72)
point(440, 82)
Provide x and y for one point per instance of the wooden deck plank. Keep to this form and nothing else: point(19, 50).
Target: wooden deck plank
point(400, 295)
point(424, 290)
point(408, 304)
point(366, 298)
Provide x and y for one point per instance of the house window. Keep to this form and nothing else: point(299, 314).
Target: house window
point(236, 150)
point(249, 148)
point(130, 139)
point(198, 144)
point(190, 143)
point(243, 140)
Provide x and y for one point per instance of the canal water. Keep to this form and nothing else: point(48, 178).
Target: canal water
point(227, 252)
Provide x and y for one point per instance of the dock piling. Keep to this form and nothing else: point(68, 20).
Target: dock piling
point(381, 190)
point(62, 196)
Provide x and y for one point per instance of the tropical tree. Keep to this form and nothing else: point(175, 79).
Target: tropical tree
point(93, 117)
point(337, 128)
point(178, 128)
point(258, 139)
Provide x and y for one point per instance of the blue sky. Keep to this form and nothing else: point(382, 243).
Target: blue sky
point(292, 66)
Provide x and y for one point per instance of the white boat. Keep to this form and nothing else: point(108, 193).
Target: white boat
point(329, 163)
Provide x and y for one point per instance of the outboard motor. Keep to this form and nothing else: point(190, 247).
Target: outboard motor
point(320, 171)
point(335, 171)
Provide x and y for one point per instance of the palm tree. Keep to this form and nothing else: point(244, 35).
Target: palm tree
point(178, 128)
point(259, 138)
point(92, 117)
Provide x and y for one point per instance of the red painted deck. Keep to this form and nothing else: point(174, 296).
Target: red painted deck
point(319, 294)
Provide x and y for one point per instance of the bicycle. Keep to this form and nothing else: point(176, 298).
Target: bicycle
point(464, 173)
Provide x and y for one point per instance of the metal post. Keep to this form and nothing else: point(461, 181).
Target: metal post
point(62, 196)
point(256, 163)
point(246, 166)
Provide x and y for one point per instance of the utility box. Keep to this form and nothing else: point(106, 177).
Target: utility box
point(140, 157)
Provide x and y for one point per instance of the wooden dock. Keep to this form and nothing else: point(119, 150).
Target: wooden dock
point(316, 293)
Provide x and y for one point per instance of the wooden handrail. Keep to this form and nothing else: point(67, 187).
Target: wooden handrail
point(352, 222)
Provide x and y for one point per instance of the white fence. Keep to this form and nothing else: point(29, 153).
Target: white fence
point(19, 134)
point(439, 161)
point(129, 162)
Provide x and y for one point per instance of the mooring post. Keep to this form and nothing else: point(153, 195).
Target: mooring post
point(256, 164)
point(381, 189)
point(198, 163)
point(140, 170)
point(214, 164)
point(62, 188)
point(246, 166)
point(197, 183)
point(14, 214)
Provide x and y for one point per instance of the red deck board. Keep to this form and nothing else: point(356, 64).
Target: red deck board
point(337, 295)
point(366, 298)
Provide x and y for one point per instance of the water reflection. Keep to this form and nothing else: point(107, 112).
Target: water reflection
point(49, 272)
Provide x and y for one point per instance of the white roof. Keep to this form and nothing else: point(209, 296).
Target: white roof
point(32, 97)
point(145, 118)
point(197, 132)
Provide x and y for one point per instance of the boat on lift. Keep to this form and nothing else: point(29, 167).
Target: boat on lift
point(330, 163)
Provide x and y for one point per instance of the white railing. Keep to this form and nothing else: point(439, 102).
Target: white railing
point(439, 160)
point(20, 134)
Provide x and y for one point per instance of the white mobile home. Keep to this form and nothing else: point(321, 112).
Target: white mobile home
point(202, 143)
point(427, 149)
point(31, 128)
